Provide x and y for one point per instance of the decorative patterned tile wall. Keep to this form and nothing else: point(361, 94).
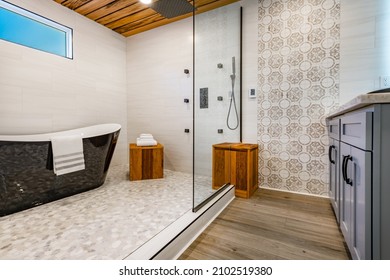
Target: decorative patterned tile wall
point(298, 82)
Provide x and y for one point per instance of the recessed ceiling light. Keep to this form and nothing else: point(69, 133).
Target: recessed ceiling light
point(146, 1)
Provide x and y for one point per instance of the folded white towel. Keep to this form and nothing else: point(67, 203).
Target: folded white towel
point(68, 154)
point(146, 136)
point(146, 142)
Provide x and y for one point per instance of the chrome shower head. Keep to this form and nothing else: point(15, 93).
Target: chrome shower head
point(172, 8)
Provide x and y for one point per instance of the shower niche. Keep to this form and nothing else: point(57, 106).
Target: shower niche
point(217, 94)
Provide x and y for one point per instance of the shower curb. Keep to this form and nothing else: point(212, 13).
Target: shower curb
point(171, 242)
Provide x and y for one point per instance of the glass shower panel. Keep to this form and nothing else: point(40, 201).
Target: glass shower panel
point(216, 97)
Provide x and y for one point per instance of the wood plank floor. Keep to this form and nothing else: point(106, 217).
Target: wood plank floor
point(272, 225)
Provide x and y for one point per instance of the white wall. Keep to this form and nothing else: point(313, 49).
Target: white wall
point(41, 92)
point(364, 46)
point(249, 70)
point(157, 86)
point(218, 36)
point(217, 40)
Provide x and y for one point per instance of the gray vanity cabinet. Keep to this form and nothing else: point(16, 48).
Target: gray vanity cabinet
point(334, 165)
point(355, 182)
point(364, 179)
point(355, 202)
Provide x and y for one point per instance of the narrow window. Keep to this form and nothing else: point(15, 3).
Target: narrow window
point(25, 28)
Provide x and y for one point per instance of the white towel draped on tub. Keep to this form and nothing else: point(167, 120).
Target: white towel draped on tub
point(68, 154)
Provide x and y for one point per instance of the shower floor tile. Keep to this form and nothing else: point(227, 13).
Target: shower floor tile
point(109, 222)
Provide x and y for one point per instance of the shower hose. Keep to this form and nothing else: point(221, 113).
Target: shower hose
point(232, 98)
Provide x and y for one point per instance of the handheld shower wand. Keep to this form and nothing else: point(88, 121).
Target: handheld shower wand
point(233, 76)
point(233, 99)
point(234, 65)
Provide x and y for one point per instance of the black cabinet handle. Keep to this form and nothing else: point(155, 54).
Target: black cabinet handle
point(345, 168)
point(343, 171)
point(347, 180)
point(332, 147)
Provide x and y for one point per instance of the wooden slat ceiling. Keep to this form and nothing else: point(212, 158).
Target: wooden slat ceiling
point(129, 17)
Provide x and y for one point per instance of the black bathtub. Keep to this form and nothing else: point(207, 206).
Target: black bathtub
point(27, 178)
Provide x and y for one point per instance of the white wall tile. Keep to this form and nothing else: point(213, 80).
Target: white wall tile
point(157, 86)
point(217, 40)
point(52, 93)
point(11, 99)
point(249, 70)
point(364, 46)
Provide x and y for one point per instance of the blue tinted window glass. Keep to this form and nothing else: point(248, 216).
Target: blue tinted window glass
point(28, 32)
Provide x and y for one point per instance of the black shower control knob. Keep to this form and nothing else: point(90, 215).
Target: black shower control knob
point(220, 130)
point(187, 130)
point(186, 71)
point(186, 100)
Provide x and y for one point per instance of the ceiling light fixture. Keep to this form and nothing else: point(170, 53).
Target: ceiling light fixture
point(146, 1)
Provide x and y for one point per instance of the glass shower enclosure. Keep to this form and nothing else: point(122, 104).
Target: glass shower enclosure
point(217, 98)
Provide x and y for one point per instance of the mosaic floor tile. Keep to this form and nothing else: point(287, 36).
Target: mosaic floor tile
point(109, 222)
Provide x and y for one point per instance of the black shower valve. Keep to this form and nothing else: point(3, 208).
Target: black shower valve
point(186, 71)
point(186, 100)
point(187, 130)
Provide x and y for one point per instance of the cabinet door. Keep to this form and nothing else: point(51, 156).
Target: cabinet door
point(334, 167)
point(345, 196)
point(355, 203)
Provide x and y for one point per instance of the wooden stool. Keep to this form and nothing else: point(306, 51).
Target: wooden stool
point(236, 163)
point(146, 162)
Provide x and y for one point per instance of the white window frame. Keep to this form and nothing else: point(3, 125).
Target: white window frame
point(68, 31)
